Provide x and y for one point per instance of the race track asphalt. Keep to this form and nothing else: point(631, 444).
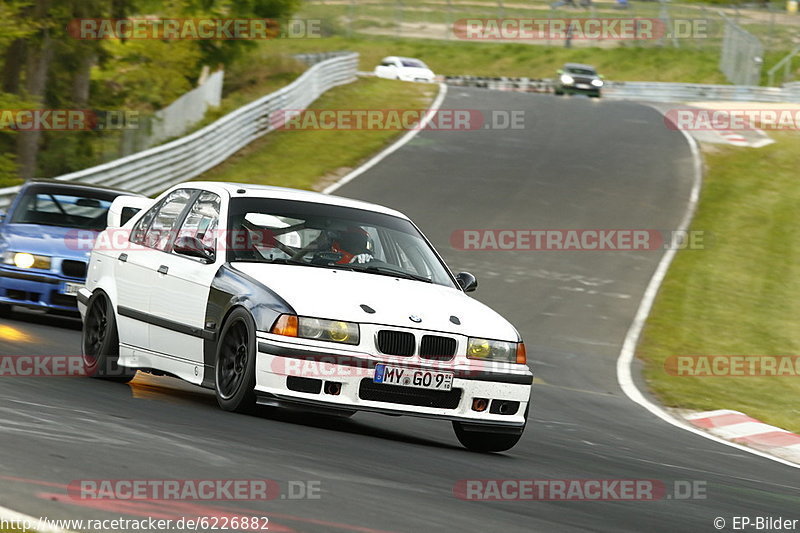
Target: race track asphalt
point(577, 164)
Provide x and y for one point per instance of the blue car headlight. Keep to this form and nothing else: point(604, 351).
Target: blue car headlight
point(26, 260)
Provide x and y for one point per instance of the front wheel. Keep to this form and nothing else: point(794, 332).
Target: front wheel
point(235, 368)
point(100, 342)
point(5, 310)
point(485, 441)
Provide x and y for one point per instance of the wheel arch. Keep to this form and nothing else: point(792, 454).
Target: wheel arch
point(232, 290)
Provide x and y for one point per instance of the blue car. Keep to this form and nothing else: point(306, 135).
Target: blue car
point(45, 240)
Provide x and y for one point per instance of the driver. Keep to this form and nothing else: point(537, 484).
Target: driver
point(354, 244)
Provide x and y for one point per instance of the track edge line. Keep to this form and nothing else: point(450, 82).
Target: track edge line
point(628, 351)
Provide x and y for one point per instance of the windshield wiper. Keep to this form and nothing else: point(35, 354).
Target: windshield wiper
point(388, 271)
point(290, 261)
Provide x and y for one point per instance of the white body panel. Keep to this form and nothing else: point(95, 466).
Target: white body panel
point(392, 68)
point(337, 294)
point(171, 310)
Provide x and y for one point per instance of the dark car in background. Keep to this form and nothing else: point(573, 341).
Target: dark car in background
point(575, 78)
point(45, 240)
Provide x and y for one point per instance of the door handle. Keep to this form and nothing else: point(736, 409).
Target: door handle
point(163, 269)
point(123, 258)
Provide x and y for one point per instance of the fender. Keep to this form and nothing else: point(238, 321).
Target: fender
point(231, 288)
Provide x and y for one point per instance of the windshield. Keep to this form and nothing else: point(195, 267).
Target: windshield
point(326, 236)
point(413, 63)
point(68, 208)
point(581, 71)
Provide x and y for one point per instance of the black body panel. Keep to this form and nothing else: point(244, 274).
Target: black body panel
point(232, 288)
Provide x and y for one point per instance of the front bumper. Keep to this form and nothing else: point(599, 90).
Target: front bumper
point(36, 289)
point(571, 89)
point(313, 370)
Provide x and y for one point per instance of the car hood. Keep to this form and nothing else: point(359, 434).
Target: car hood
point(339, 294)
point(52, 241)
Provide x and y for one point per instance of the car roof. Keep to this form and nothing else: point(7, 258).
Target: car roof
point(285, 193)
point(77, 185)
point(579, 65)
point(401, 58)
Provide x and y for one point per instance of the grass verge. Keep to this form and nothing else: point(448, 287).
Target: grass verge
point(518, 59)
point(308, 159)
point(739, 296)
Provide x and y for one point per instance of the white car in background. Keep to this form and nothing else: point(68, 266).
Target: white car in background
point(287, 298)
point(404, 69)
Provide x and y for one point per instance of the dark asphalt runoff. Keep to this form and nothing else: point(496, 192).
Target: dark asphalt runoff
point(577, 163)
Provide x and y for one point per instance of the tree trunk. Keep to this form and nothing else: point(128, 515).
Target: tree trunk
point(37, 68)
point(12, 66)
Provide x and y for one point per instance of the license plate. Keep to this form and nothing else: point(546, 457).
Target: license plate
point(412, 377)
point(582, 85)
point(71, 288)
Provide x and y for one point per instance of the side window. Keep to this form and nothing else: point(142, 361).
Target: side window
point(140, 228)
point(166, 219)
point(203, 220)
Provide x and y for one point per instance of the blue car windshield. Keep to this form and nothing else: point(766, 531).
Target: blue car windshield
point(70, 210)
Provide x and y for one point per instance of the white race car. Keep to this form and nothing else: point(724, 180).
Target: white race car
point(404, 69)
point(289, 298)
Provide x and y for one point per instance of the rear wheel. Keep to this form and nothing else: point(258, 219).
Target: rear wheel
point(100, 342)
point(5, 309)
point(235, 368)
point(485, 441)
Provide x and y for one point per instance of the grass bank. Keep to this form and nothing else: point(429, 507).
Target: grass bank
point(518, 59)
point(740, 295)
point(308, 159)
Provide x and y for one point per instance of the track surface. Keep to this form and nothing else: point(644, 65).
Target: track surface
point(577, 164)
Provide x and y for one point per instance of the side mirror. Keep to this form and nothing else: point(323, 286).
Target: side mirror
point(467, 281)
point(2, 216)
point(193, 247)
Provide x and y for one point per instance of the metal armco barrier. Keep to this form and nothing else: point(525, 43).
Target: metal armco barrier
point(158, 168)
point(639, 90)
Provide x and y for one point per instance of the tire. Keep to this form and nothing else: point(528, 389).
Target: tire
point(558, 93)
point(235, 364)
point(485, 441)
point(5, 310)
point(100, 342)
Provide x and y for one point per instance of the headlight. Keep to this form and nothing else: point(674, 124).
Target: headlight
point(26, 260)
point(597, 83)
point(566, 79)
point(316, 328)
point(489, 350)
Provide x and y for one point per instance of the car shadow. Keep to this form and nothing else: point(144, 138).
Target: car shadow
point(43, 318)
point(172, 390)
point(344, 425)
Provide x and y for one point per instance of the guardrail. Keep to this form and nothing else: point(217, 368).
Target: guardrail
point(160, 167)
point(637, 90)
point(687, 92)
